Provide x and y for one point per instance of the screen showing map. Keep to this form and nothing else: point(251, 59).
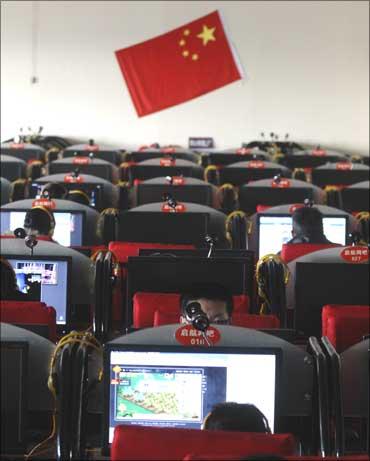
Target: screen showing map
point(179, 389)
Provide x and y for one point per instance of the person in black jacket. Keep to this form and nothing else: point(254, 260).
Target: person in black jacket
point(9, 287)
point(308, 226)
point(240, 417)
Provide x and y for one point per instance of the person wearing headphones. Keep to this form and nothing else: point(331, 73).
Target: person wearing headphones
point(308, 226)
point(40, 222)
point(240, 417)
point(78, 196)
point(9, 287)
point(214, 300)
point(54, 190)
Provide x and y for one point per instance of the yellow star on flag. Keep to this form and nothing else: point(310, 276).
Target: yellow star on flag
point(207, 35)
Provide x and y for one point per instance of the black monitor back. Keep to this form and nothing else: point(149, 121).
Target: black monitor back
point(317, 284)
point(250, 197)
point(12, 168)
point(193, 193)
point(177, 275)
point(143, 172)
point(355, 199)
point(101, 170)
point(325, 176)
point(157, 227)
point(14, 358)
point(239, 176)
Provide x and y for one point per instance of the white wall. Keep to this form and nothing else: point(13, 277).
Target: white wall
point(307, 67)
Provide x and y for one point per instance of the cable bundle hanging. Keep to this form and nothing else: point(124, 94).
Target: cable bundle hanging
point(272, 275)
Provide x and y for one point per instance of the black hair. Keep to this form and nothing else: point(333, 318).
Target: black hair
point(232, 416)
point(54, 190)
point(211, 291)
point(307, 222)
point(78, 196)
point(40, 219)
point(8, 279)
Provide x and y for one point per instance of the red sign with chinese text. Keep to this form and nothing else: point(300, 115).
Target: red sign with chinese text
point(256, 164)
point(319, 153)
point(187, 335)
point(71, 178)
point(283, 183)
point(81, 161)
point(178, 181)
point(168, 150)
point(343, 166)
point(244, 151)
point(180, 208)
point(44, 202)
point(91, 148)
point(167, 162)
point(355, 254)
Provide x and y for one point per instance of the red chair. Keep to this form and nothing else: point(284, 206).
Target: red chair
point(146, 304)
point(24, 313)
point(122, 250)
point(239, 320)
point(170, 444)
point(295, 250)
point(345, 325)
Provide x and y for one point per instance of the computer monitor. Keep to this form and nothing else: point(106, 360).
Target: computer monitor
point(155, 226)
point(320, 283)
point(275, 230)
point(14, 359)
point(178, 386)
point(45, 279)
point(93, 190)
point(68, 225)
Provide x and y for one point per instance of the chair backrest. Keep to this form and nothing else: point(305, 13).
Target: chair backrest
point(29, 315)
point(239, 320)
point(145, 306)
point(295, 250)
point(163, 443)
point(345, 325)
point(122, 250)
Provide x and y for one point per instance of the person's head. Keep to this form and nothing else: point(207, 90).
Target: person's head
point(307, 222)
point(215, 300)
point(240, 417)
point(78, 196)
point(39, 221)
point(8, 278)
point(54, 190)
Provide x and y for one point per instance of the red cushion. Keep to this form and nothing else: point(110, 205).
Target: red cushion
point(29, 313)
point(122, 250)
point(295, 250)
point(145, 305)
point(238, 319)
point(345, 325)
point(160, 443)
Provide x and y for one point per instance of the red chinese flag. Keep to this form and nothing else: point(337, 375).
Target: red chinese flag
point(180, 65)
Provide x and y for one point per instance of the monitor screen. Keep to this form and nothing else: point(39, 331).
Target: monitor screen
point(93, 190)
point(275, 230)
point(177, 387)
point(68, 225)
point(44, 280)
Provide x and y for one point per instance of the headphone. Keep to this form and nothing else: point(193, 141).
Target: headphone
point(30, 223)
